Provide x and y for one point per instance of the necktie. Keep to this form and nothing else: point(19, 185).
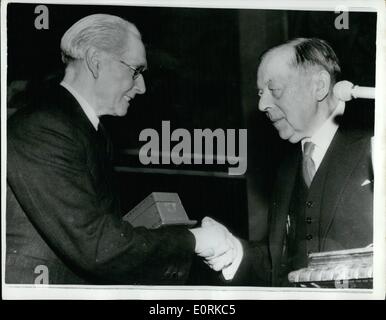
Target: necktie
point(308, 163)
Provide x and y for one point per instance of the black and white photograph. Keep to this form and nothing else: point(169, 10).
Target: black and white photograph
point(193, 150)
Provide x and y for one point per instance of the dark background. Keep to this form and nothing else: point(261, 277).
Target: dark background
point(202, 74)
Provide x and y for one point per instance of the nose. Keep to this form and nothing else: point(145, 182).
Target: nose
point(140, 86)
point(264, 102)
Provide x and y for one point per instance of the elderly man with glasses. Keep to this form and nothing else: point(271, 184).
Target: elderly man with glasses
point(62, 209)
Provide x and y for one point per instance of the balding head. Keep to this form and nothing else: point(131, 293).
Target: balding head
point(306, 54)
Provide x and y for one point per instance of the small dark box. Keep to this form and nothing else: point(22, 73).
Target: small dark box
point(157, 210)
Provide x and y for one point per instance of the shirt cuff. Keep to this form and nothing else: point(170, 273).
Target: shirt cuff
point(230, 271)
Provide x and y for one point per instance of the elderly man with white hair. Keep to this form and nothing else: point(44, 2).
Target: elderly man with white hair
point(62, 209)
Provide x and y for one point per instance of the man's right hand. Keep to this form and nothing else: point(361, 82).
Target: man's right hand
point(219, 248)
point(211, 240)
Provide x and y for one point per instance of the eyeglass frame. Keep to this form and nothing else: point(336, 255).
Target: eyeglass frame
point(137, 70)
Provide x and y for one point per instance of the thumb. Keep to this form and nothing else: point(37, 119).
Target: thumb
point(207, 253)
point(207, 222)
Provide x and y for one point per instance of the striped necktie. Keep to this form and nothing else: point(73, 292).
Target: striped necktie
point(308, 164)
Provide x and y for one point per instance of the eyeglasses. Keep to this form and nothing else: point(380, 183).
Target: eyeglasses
point(137, 70)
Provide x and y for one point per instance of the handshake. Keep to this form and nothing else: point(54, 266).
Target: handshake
point(220, 250)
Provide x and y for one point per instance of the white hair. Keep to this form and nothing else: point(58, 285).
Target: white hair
point(102, 31)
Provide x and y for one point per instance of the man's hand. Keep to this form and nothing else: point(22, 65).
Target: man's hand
point(211, 239)
point(228, 260)
point(218, 247)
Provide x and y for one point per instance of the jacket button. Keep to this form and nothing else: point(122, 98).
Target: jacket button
point(309, 237)
point(309, 204)
point(309, 220)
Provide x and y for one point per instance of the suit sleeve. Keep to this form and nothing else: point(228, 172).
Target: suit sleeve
point(47, 170)
point(255, 267)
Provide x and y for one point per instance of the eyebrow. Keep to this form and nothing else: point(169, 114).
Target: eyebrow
point(276, 83)
point(135, 65)
point(266, 83)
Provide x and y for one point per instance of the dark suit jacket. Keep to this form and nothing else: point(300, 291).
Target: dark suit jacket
point(63, 211)
point(336, 196)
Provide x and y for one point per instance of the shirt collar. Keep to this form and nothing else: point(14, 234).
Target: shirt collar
point(324, 135)
point(86, 107)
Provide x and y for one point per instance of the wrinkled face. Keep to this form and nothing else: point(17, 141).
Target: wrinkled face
point(117, 85)
point(286, 95)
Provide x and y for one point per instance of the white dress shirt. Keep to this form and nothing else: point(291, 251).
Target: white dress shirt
point(86, 107)
point(323, 136)
point(322, 139)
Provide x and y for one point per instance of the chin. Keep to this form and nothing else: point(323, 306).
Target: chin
point(289, 136)
point(285, 135)
point(121, 112)
point(294, 139)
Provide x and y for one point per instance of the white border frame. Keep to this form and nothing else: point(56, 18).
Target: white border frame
point(212, 292)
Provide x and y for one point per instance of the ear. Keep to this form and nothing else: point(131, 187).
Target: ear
point(322, 84)
point(92, 58)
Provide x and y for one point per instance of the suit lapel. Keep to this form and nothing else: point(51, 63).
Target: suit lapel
point(341, 158)
point(95, 142)
point(71, 106)
point(281, 201)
